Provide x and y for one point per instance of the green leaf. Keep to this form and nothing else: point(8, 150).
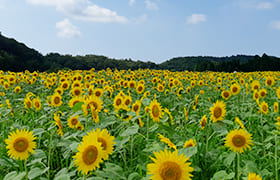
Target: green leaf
point(133, 176)
point(62, 177)
point(229, 159)
point(220, 175)
point(38, 131)
point(35, 172)
point(130, 130)
point(189, 151)
point(14, 175)
point(77, 106)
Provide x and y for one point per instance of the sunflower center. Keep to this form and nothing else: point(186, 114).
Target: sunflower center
point(92, 104)
point(269, 82)
point(97, 93)
point(203, 123)
point(65, 85)
point(21, 144)
point(155, 111)
point(217, 112)
point(77, 92)
point(127, 102)
point(118, 102)
point(234, 89)
point(135, 107)
point(256, 87)
point(74, 121)
point(37, 104)
point(238, 140)
point(103, 143)
point(90, 154)
point(264, 108)
point(256, 95)
point(262, 94)
point(56, 100)
point(170, 171)
point(226, 94)
point(140, 88)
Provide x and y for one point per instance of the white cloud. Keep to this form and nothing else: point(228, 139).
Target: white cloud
point(82, 10)
point(151, 5)
point(66, 29)
point(196, 18)
point(143, 18)
point(275, 25)
point(131, 2)
point(264, 5)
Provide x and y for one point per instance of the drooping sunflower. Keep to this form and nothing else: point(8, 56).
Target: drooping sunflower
point(89, 155)
point(169, 165)
point(73, 122)
point(264, 107)
point(189, 143)
point(27, 103)
point(239, 122)
point(226, 94)
point(169, 114)
point(254, 176)
point(203, 121)
point(238, 140)
point(155, 110)
point(167, 141)
point(276, 107)
point(106, 140)
point(56, 100)
point(235, 89)
point(218, 111)
point(20, 143)
point(186, 113)
point(57, 121)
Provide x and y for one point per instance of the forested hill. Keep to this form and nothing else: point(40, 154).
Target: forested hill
point(15, 56)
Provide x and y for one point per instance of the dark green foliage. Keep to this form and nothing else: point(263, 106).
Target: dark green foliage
point(15, 56)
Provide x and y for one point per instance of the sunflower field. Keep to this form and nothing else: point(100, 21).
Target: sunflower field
point(139, 125)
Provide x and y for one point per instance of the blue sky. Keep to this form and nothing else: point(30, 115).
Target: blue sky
point(147, 30)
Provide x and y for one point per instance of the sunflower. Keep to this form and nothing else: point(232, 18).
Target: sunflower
point(256, 95)
point(242, 81)
point(189, 143)
point(169, 165)
point(264, 107)
point(57, 122)
point(269, 81)
point(235, 89)
point(276, 107)
point(155, 110)
point(140, 88)
point(17, 89)
point(27, 103)
point(65, 85)
point(103, 137)
point(254, 176)
point(203, 121)
point(238, 140)
point(20, 143)
point(239, 122)
point(73, 122)
point(262, 93)
point(56, 100)
point(59, 90)
point(218, 111)
point(160, 88)
point(188, 90)
point(92, 102)
point(180, 91)
point(226, 94)
point(127, 100)
point(76, 91)
point(98, 92)
point(89, 155)
point(131, 84)
point(118, 102)
point(136, 107)
point(75, 100)
point(167, 141)
point(255, 85)
point(186, 113)
point(278, 93)
point(37, 103)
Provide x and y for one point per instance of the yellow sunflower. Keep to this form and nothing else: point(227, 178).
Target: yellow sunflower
point(136, 107)
point(57, 121)
point(203, 121)
point(235, 89)
point(76, 91)
point(169, 165)
point(278, 92)
point(269, 81)
point(238, 140)
point(167, 141)
point(118, 102)
point(140, 88)
point(92, 102)
point(276, 107)
point(256, 95)
point(186, 113)
point(56, 100)
point(218, 111)
point(255, 85)
point(155, 110)
point(59, 90)
point(98, 92)
point(20, 143)
point(73, 122)
point(17, 89)
point(37, 103)
point(239, 122)
point(254, 176)
point(75, 100)
point(103, 137)
point(262, 93)
point(189, 143)
point(264, 107)
point(89, 155)
point(226, 94)
point(27, 103)
point(160, 87)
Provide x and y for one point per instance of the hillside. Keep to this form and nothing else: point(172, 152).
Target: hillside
point(16, 56)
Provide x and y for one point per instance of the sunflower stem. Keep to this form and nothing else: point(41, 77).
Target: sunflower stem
point(84, 177)
point(275, 157)
point(49, 155)
point(262, 134)
point(26, 171)
point(148, 128)
point(237, 164)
